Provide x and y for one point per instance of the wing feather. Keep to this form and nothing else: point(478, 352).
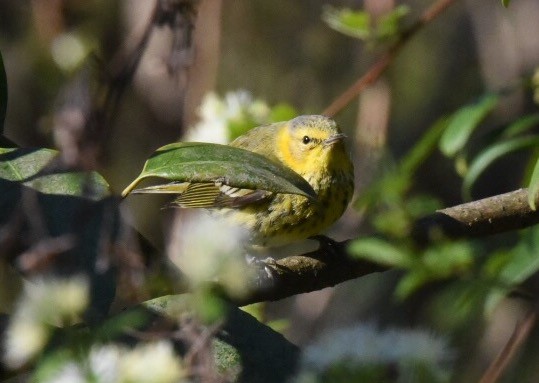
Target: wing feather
point(210, 195)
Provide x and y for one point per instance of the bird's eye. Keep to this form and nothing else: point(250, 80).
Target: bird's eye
point(306, 139)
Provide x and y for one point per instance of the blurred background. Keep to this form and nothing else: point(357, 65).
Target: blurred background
point(282, 52)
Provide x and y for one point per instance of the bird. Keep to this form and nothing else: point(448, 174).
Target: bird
point(313, 147)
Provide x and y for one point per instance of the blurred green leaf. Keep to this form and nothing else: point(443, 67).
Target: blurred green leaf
point(491, 154)
point(458, 304)
point(355, 24)
point(533, 187)
point(463, 122)
point(424, 147)
point(3, 94)
point(511, 267)
point(389, 25)
point(359, 24)
point(411, 282)
point(505, 3)
point(393, 221)
point(380, 251)
point(205, 162)
point(447, 259)
point(420, 205)
point(521, 125)
point(29, 167)
point(282, 112)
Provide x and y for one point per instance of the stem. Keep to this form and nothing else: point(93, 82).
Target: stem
point(380, 66)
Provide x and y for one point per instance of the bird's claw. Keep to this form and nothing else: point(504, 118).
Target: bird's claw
point(328, 245)
point(264, 269)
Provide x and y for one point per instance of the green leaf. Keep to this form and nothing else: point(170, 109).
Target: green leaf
point(389, 24)
point(3, 94)
point(464, 122)
point(66, 214)
point(533, 187)
point(28, 167)
point(519, 264)
point(505, 3)
point(521, 125)
point(411, 282)
point(205, 162)
point(489, 155)
point(426, 145)
point(380, 251)
point(355, 24)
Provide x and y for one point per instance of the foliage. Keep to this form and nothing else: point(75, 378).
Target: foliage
point(204, 162)
point(361, 25)
point(69, 258)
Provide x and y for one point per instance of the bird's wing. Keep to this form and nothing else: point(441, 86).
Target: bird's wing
point(211, 195)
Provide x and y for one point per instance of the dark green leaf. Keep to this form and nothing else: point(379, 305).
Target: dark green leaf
point(464, 122)
point(488, 156)
point(411, 282)
point(521, 125)
point(505, 3)
point(3, 94)
point(61, 212)
point(244, 349)
point(519, 263)
point(27, 166)
point(205, 162)
point(380, 251)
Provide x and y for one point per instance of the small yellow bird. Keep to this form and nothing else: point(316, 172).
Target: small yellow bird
point(310, 145)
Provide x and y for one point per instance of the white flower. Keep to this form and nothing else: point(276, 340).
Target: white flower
point(44, 302)
point(24, 339)
point(209, 249)
point(217, 114)
point(153, 362)
point(104, 363)
point(70, 372)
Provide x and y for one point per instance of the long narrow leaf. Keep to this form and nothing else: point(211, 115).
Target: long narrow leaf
point(521, 125)
point(464, 122)
point(425, 146)
point(488, 156)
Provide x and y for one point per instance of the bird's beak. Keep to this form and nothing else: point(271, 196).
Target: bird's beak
point(335, 138)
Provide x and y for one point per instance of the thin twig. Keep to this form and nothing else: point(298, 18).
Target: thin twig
point(380, 66)
point(515, 342)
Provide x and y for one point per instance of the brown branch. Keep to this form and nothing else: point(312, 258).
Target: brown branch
point(333, 264)
point(497, 214)
point(380, 66)
point(517, 339)
point(313, 271)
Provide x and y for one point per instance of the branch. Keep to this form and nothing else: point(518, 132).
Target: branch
point(493, 215)
point(332, 264)
point(379, 67)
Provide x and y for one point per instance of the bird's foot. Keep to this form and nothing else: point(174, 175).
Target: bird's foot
point(264, 270)
point(328, 245)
